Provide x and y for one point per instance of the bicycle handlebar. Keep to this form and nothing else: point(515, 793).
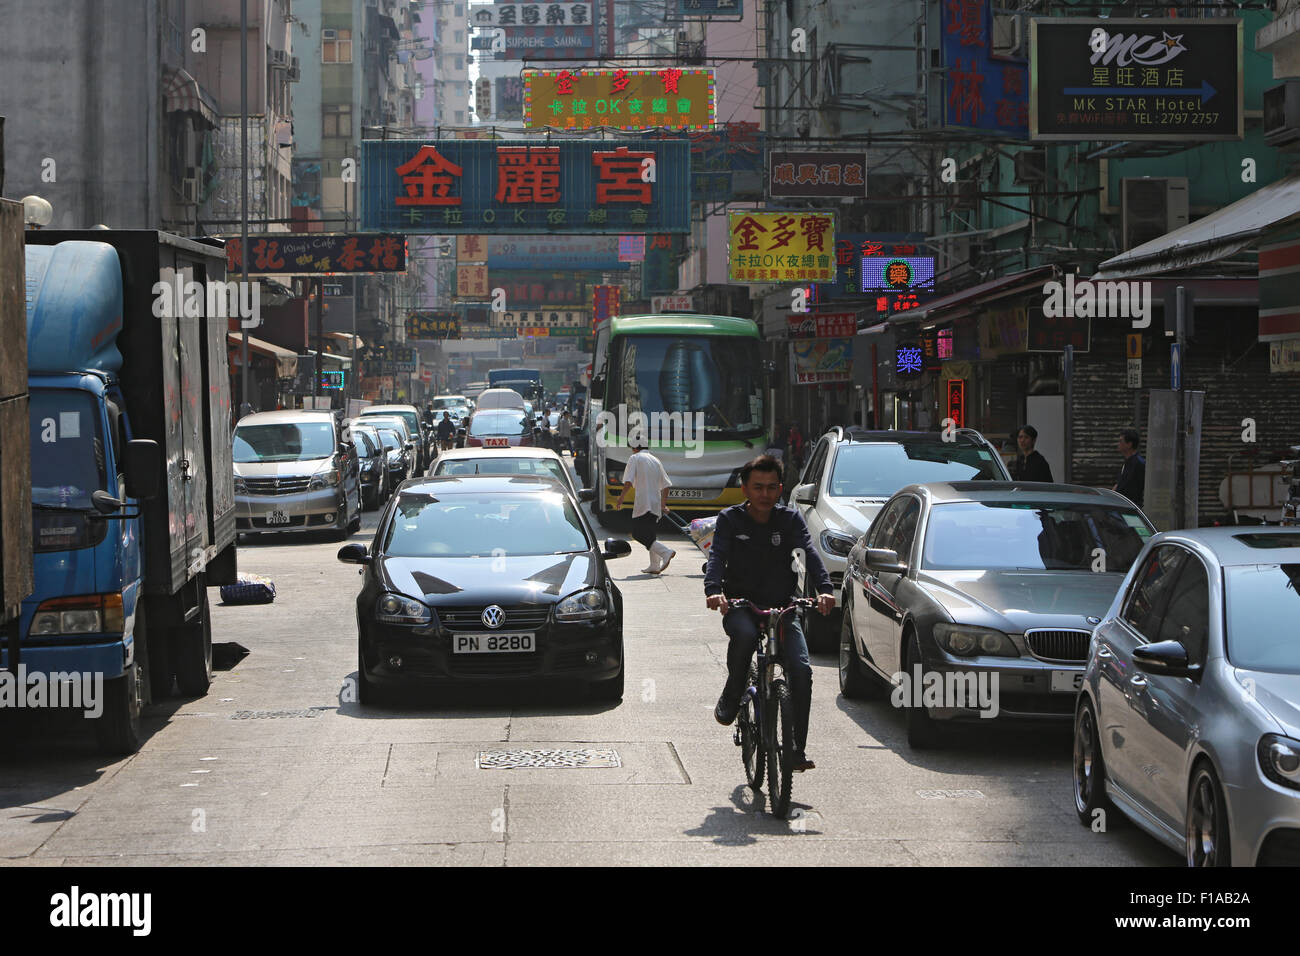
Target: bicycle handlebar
point(795, 602)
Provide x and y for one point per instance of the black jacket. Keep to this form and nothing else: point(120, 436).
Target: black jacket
point(1133, 479)
point(755, 561)
point(1032, 467)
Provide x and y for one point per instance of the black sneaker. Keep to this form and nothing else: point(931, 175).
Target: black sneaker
point(723, 713)
point(802, 763)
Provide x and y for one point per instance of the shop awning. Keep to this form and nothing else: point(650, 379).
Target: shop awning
point(286, 360)
point(964, 302)
point(327, 357)
point(1218, 236)
point(182, 94)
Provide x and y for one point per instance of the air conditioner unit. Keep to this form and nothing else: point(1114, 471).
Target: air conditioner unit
point(293, 75)
point(1029, 166)
point(1152, 207)
point(279, 59)
point(190, 190)
point(1007, 35)
point(1282, 116)
point(329, 34)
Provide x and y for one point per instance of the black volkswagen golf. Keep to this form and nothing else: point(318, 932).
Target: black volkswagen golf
point(486, 577)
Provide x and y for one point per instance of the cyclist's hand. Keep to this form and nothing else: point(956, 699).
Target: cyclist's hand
point(826, 603)
point(718, 602)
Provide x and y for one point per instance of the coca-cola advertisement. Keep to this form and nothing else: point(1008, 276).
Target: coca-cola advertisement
point(821, 325)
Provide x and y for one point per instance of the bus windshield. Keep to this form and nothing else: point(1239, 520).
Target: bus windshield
point(717, 376)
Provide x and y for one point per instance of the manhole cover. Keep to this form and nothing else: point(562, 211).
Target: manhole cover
point(546, 759)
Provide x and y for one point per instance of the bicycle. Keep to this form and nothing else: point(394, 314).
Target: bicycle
point(764, 724)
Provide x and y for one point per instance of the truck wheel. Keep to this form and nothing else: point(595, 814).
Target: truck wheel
point(118, 727)
point(193, 646)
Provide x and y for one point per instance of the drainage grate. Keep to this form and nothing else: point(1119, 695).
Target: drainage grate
point(272, 714)
point(950, 794)
point(546, 759)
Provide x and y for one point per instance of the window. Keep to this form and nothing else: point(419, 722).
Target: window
point(1187, 619)
point(901, 534)
point(336, 121)
point(883, 527)
point(814, 467)
point(458, 36)
point(460, 63)
point(1155, 580)
point(460, 116)
point(460, 9)
point(336, 46)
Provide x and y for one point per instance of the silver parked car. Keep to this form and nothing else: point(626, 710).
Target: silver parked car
point(985, 587)
point(295, 472)
point(511, 461)
point(1189, 716)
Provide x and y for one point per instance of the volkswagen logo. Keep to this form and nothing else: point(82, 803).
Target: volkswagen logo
point(493, 616)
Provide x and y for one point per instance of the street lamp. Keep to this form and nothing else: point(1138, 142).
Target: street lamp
point(37, 212)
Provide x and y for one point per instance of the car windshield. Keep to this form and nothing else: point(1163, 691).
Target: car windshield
point(283, 441)
point(392, 441)
point(469, 525)
point(67, 448)
point(719, 377)
point(396, 424)
point(1032, 536)
point(503, 465)
point(448, 403)
point(410, 419)
point(1262, 606)
point(880, 470)
point(502, 422)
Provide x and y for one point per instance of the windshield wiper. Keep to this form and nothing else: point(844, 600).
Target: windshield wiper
point(42, 506)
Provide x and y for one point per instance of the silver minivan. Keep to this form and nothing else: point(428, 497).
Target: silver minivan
point(295, 472)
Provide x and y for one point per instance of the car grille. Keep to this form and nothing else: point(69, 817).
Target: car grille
point(276, 486)
point(518, 617)
point(1066, 646)
point(494, 665)
point(1281, 848)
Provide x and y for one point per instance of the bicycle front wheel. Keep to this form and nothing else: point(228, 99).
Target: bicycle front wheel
point(780, 748)
point(751, 744)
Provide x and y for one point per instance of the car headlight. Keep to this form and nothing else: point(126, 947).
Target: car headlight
point(837, 544)
point(614, 473)
point(964, 641)
point(400, 609)
point(1279, 758)
point(241, 486)
point(586, 605)
point(326, 479)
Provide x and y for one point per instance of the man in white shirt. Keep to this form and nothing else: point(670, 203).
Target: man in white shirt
point(646, 475)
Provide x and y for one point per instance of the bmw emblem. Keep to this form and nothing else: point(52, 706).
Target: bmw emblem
point(493, 616)
point(1093, 620)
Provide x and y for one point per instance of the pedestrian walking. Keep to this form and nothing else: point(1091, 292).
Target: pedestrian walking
point(645, 474)
point(1133, 475)
point(1029, 465)
point(776, 445)
point(564, 430)
point(795, 444)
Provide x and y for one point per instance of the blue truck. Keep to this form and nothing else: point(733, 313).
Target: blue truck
point(132, 482)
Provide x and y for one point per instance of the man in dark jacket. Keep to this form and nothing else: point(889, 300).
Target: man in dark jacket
point(1133, 476)
point(753, 556)
point(1030, 465)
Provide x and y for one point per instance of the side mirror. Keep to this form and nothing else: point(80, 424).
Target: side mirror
point(1166, 658)
point(142, 464)
point(587, 494)
point(805, 495)
point(885, 560)
point(105, 503)
point(354, 554)
point(616, 548)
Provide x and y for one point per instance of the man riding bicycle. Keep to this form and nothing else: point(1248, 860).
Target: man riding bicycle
point(446, 432)
point(753, 557)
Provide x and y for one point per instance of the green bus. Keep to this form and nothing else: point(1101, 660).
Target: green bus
point(694, 386)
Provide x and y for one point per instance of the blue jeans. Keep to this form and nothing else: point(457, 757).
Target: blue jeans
point(743, 628)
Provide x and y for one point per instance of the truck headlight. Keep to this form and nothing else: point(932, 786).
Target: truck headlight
point(586, 605)
point(614, 473)
point(400, 609)
point(1279, 759)
point(837, 544)
point(965, 641)
point(84, 614)
point(325, 479)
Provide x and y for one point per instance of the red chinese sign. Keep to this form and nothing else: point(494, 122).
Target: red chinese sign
point(821, 325)
point(288, 253)
point(827, 175)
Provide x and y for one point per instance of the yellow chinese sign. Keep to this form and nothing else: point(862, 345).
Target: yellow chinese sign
point(781, 246)
point(669, 98)
point(472, 282)
point(471, 249)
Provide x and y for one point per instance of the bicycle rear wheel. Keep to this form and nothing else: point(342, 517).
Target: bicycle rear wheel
point(751, 738)
point(780, 749)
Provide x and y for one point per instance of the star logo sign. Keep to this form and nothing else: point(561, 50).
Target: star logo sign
point(1173, 44)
